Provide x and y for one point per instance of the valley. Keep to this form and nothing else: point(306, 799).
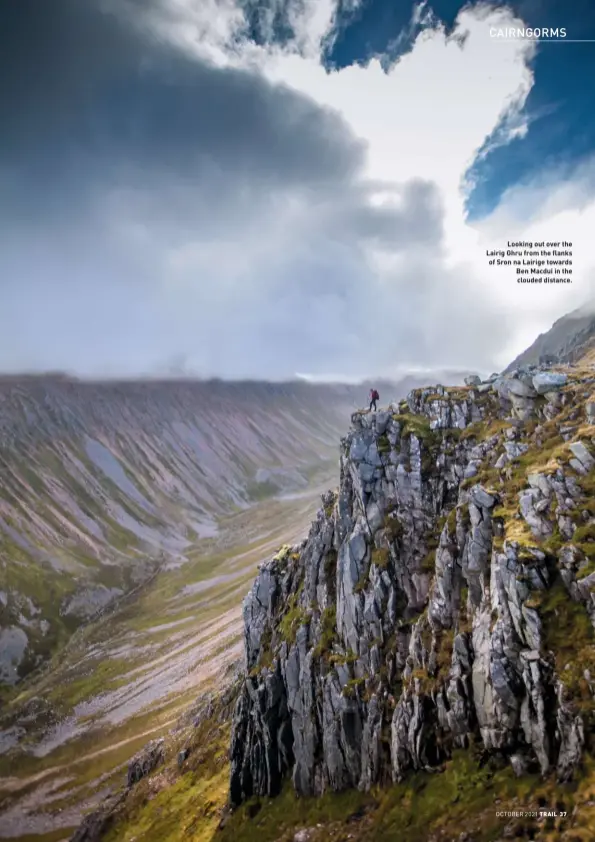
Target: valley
point(127, 678)
point(132, 519)
point(402, 666)
point(104, 484)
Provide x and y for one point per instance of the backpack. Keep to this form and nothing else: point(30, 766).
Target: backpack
point(375, 395)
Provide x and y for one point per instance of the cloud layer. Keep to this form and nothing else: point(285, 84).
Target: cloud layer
point(181, 182)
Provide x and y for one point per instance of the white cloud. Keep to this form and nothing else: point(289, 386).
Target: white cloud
point(290, 275)
point(560, 206)
point(427, 117)
point(441, 105)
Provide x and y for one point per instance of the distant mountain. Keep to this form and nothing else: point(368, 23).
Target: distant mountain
point(566, 341)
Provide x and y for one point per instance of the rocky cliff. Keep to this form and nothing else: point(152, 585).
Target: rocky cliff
point(443, 597)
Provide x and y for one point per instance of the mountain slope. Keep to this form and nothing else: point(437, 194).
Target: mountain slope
point(161, 497)
point(127, 676)
point(103, 483)
point(438, 617)
point(100, 483)
point(566, 341)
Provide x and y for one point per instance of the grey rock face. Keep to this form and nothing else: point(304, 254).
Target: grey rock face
point(143, 763)
point(408, 622)
point(481, 498)
point(549, 381)
point(95, 825)
point(521, 387)
point(583, 455)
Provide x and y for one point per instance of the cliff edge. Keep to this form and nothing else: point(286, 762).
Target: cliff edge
point(443, 598)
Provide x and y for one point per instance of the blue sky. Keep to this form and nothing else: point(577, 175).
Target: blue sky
point(560, 106)
point(257, 189)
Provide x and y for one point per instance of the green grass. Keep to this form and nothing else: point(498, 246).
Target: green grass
point(394, 527)
point(417, 425)
point(328, 631)
point(569, 634)
point(584, 534)
point(99, 677)
point(344, 659)
point(383, 444)
point(587, 570)
point(294, 617)
point(182, 805)
point(353, 687)
point(462, 797)
point(381, 557)
point(428, 564)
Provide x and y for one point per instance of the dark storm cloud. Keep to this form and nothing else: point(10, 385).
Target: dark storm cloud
point(153, 205)
point(80, 89)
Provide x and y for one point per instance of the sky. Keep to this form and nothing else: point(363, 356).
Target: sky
point(272, 188)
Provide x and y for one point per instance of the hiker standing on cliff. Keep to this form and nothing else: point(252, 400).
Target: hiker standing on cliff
point(374, 396)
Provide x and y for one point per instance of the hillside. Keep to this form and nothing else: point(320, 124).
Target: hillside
point(102, 483)
point(569, 339)
point(69, 731)
point(438, 618)
point(134, 516)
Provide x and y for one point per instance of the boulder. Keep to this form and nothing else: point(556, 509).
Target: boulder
point(549, 381)
point(583, 455)
point(481, 497)
point(522, 388)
